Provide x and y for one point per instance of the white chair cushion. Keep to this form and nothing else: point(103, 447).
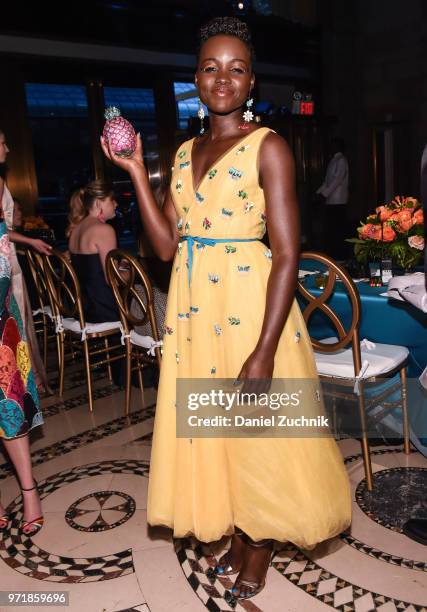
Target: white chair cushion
point(144, 341)
point(73, 325)
point(381, 358)
point(45, 310)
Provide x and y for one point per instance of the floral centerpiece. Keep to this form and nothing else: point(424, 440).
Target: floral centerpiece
point(36, 227)
point(35, 223)
point(395, 231)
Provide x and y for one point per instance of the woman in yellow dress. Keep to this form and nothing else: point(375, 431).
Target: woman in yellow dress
point(232, 314)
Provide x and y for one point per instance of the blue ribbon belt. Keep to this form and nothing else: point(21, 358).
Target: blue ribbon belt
point(209, 242)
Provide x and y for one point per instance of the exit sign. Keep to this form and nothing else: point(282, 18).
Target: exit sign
point(306, 108)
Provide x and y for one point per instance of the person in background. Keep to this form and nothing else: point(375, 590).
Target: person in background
point(90, 238)
point(20, 406)
point(18, 283)
point(333, 194)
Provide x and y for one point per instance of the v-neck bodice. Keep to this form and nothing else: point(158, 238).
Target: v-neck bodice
point(228, 200)
point(219, 159)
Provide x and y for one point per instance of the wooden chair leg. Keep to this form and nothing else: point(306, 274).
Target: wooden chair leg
point(60, 340)
point(128, 387)
point(45, 340)
point(88, 375)
point(141, 385)
point(365, 440)
point(405, 416)
point(109, 372)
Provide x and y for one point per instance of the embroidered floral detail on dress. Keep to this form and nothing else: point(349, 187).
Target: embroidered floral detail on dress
point(263, 217)
point(194, 310)
point(248, 206)
point(177, 356)
point(213, 278)
point(297, 337)
point(188, 339)
point(187, 227)
point(242, 149)
point(185, 209)
point(234, 320)
point(168, 330)
point(5, 269)
point(179, 185)
point(200, 245)
point(206, 223)
point(212, 173)
point(179, 224)
point(183, 316)
point(177, 269)
point(199, 197)
point(182, 154)
point(226, 212)
point(234, 173)
point(268, 254)
point(213, 370)
point(179, 247)
point(242, 194)
point(229, 248)
point(184, 165)
point(218, 329)
point(5, 245)
point(243, 269)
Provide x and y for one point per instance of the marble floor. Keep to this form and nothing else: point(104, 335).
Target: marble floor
point(92, 471)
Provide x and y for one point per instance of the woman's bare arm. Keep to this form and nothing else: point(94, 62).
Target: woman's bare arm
point(277, 174)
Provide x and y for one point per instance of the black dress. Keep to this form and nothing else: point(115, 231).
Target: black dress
point(99, 304)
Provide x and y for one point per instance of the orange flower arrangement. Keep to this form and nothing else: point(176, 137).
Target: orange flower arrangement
point(34, 223)
point(395, 230)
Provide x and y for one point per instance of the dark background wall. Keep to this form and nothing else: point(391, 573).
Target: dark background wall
point(374, 65)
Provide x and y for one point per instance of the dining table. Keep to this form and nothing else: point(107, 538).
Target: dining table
point(382, 320)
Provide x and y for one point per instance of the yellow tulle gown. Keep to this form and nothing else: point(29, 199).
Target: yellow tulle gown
point(288, 489)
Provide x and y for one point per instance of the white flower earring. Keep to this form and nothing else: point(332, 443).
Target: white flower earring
point(201, 116)
point(248, 115)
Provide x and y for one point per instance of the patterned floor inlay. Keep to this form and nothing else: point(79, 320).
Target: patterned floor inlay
point(79, 400)
point(86, 437)
point(380, 555)
point(20, 553)
point(295, 566)
point(92, 513)
point(332, 590)
point(197, 563)
point(397, 496)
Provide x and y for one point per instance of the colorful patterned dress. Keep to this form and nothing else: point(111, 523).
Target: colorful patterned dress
point(293, 489)
point(19, 402)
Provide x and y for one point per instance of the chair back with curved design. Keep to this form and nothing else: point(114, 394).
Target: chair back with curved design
point(64, 286)
point(316, 303)
point(132, 287)
point(35, 265)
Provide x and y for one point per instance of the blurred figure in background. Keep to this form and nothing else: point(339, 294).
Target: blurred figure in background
point(90, 239)
point(333, 195)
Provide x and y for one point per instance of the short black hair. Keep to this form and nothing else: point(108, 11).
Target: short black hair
point(230, 26)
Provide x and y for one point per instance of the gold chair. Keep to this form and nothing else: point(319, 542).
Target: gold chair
point(65, 290)
point(344, 361)
point(44, 316)
point(132, 287)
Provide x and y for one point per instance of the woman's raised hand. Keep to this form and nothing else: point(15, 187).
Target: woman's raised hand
point(131, 163)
